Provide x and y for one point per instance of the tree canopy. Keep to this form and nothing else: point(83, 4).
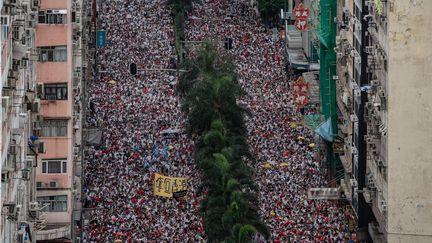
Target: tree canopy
point(209, 92)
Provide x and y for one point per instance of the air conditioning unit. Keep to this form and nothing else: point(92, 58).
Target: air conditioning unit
point(369, 3)
point(345, 10)
point(381, 93)
point(76, 150)
point(25, 175)
point(36, 106)
point(38, 118)
point(33, 206)
point(353, 183)
point(35, 5)
point(40, 90)
point(13, 149)
point(30, 161)
point(353, 118)
point(374, 82)
point(5, 176)
point(13, 74)
point(31, 24)
point(356, 92)
point(11, 208)
point(371, 182)
point(369, 49)
point(53, 184)
point(40, 184)
point(354, 150)
point(382, 205)
point(369, 139)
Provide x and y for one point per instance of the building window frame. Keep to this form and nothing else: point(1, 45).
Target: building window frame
point(52, 16)
point(54, 203)
point(54, 127)
point(56, 91)
point(53, 53)
point(54, 166)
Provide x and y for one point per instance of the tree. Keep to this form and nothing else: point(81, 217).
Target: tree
point(209, 100)
point(269, 8)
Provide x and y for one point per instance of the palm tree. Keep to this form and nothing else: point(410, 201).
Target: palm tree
point(210, 91)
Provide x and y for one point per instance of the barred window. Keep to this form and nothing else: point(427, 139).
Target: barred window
point(55, 91)
point(54, 128)
point(53, 54)
point(53, 203)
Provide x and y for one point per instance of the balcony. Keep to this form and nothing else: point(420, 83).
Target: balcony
point(52, 232)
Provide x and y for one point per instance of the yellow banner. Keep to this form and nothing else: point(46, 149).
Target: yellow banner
point(164, 186)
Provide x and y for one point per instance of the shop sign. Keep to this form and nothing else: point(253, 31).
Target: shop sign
point(324, 194)
point(301, 14)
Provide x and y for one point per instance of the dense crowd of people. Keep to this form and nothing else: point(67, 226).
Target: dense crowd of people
point(139, 113)
point(287, 164)
point(139, 116)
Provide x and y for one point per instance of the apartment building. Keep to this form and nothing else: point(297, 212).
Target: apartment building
point(19, 147)
point(58, 41)
point(383, 93)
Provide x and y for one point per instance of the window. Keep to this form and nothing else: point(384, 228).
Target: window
point(53, 54)
point(54, 16)
point(54, 166)
point(54, 128)
point(53, 203)
point(55, 91)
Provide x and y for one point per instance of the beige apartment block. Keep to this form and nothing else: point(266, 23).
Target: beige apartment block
point(409, 217)
point(394, 37)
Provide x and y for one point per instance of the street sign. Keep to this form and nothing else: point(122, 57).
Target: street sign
point(101, 38)
point(324, 194)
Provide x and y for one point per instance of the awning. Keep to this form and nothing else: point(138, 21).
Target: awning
point(313, 120)
point(325, 130)
point(298, 60)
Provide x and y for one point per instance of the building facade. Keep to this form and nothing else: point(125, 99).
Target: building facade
point(58, 41)
point(19, 147)
point(383, 92)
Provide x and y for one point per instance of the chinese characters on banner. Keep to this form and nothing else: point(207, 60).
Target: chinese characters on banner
point(301, 14)
point(300, 90)
point(165, 186)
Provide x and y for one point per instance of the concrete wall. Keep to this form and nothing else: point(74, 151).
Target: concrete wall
point(53, 4)
point(51, 35)
point(410, 122)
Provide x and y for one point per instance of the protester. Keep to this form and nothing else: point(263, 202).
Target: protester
point(134, 112)
point(287, 164)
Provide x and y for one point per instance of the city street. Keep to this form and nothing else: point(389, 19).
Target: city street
point(134, 112)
